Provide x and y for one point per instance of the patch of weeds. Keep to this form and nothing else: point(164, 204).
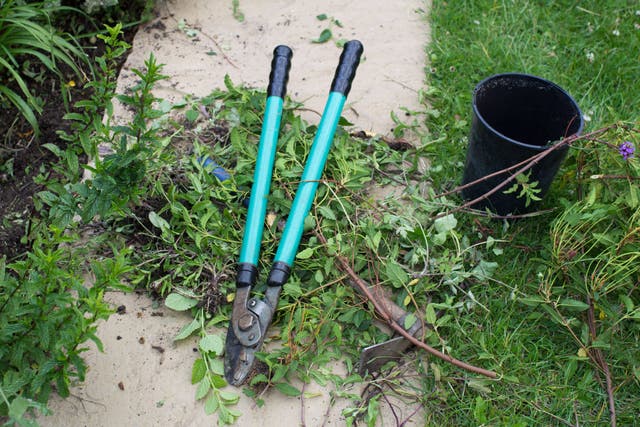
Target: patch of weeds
point(591, 279)
point(193, 237)
point(46, 313)
point(47, 310)
point(120, 154)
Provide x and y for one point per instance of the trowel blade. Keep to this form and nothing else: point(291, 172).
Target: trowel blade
point(372, 358)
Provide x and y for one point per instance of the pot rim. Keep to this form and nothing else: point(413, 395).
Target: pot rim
point(531, 77)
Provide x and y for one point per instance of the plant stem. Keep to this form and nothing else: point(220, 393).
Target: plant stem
point(526, 165)
point(598, 358)
point(383, 312)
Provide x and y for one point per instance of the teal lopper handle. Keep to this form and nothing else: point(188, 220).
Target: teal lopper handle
point(250, 250)
point(305, 194)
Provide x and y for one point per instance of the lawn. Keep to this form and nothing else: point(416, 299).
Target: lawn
point(591, 50)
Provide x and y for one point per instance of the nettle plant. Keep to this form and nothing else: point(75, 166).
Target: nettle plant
point(590, 285)
point(47, 312)
point(120, 154)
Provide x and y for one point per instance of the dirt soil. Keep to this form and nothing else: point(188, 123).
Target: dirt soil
point(22, 153)
point(142, 378)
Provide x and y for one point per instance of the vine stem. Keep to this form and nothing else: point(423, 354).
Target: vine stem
point(523, 165)
point(383, 312)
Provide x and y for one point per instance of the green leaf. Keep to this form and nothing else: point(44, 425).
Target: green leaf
point(192, 115)
point(573, 305)
point(218, 381)
point(18, 407)
point(430, 314)
point(396, 274)
point(288, 389)
point(179, 302)
point(322, 17)
point(212, 404)
point(532, 301)
point(159, 222)
point(187, 330)
point(228, 397)
point(203, 389)
point(326, 212)
point(480, 410)
point(409, 321)
point(198, 371)
point(553, 314)
point(260, 378)
point(211, 344)
point(216, 365)
point(445, 224)
point(628, 303)
point(292, 289)
point(305, 253)
point(53, 148)
point(484, 269)
point(342, 121)
point(324, 37)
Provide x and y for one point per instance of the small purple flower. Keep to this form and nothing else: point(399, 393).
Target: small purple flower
point(626, 150)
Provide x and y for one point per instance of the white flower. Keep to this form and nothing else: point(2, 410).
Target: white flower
point(616, 32)
point(590, 57)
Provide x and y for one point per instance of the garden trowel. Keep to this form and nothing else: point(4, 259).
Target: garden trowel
point(373, 357)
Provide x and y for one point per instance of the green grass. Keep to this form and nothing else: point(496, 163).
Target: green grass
point(552, 39)
point(591, 49)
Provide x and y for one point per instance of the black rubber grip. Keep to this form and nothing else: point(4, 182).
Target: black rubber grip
point(279, 274)
point(247, 274)
point(347, 67)
point(279, 76)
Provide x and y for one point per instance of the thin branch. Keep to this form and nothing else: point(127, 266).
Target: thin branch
point(601, 362)
point(523, 167)
point(384, 313)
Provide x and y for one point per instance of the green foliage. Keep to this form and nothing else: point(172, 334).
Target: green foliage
point(326, 34)
point(117, 176)
point(46, 312)
point(591, 280)
point(528, 190)
point(26, 33)
point(208, 369)
point(549, 377)
point(193, 231)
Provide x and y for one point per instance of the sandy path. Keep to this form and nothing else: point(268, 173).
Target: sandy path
point(143, 378)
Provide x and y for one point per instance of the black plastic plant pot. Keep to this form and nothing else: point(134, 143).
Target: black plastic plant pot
point(515, 117)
